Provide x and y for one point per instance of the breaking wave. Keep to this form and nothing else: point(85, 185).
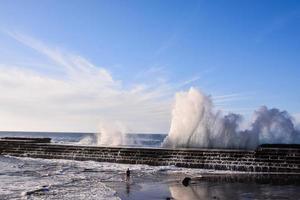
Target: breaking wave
point(197, 124)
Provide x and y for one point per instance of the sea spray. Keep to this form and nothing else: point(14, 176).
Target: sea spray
point(197, 124)
point(275, 126)
point(111, 134)
point(88, 140)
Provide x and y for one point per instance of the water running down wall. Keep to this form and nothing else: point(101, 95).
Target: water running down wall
point(266, 158)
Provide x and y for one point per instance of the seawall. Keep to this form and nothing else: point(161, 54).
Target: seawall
point(266, 158)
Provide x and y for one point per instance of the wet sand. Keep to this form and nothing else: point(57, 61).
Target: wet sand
point(208, 186)
point(28, 178)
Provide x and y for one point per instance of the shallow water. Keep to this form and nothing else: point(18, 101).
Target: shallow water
point(202, 189)
point(50, 179)
point(27, 178)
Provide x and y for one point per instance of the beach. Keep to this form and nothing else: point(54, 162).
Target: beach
point(27, 178)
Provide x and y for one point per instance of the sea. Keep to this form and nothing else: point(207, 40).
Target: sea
point(29, 178)
point(76, 138)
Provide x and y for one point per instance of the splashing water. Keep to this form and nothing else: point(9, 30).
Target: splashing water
point(275, 126)
point(196, 124)
point(111, 134)
point(88, 140)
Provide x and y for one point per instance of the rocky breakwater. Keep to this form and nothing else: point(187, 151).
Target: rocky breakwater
point(266, 158)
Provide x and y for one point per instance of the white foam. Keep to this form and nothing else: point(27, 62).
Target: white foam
point(67, 179)
point(61, 179)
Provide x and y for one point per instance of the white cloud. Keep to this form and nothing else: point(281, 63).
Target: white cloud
point(77, 101)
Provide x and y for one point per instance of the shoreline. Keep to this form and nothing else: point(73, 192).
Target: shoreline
point(67, 179)
point(207, 186)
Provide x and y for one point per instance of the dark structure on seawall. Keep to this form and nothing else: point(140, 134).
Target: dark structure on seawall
point(266, 158)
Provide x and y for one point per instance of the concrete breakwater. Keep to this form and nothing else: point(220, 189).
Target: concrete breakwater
point(266, 158)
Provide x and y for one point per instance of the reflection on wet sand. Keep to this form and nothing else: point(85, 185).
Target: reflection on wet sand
point(210, 187)
point(127, 188)
point(235, 187)
point(203, 191)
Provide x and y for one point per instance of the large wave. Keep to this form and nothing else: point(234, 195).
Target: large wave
point(196, 124)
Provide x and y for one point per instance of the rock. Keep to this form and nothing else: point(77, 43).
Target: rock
point(186, 181)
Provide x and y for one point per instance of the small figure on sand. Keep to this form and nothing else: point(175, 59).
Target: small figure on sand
point(127, 174)
point(186, 181)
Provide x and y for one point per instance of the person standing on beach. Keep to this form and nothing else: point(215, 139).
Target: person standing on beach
point(127, 174)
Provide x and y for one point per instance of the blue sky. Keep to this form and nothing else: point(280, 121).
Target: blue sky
point(243, 53)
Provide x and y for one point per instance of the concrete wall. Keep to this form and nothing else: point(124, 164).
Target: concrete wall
point(264, 159)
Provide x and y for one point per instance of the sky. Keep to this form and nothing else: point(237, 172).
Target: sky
point(74, 65)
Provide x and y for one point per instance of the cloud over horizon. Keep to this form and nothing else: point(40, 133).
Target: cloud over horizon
point(79, 99)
